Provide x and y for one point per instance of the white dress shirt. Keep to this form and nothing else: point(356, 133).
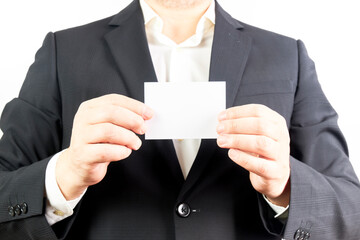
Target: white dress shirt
point(188, 61)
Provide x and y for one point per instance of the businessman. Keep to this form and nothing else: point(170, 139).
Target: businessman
point(74, 163)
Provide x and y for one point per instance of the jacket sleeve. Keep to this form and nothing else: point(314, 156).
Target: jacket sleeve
point(325, 191)
point(31, 126)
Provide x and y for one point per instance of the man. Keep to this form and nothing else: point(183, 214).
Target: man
point(80, 109)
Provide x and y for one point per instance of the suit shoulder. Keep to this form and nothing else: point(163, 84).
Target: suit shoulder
point(270, 41)
point(257, 32)
point(101, 26)
point(89, 29)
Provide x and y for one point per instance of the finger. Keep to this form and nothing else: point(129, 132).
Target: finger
point(122, 101)
point(260, 145)
point(100, 153)
point(115, 115)
point(250, 126)
point(259, 166)
point(112, 134)
point(250, 110)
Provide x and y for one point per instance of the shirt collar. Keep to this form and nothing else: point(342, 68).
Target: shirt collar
point(153, 21)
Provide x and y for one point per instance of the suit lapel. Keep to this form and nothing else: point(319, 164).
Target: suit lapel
point(229, 54)
point(230, 51)
point(129, 47)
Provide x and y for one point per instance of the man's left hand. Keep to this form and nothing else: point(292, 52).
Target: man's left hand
point(258, 140)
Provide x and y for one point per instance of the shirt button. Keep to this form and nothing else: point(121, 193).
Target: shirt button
point(183, 210)
point(59, 213)
point(11, 211)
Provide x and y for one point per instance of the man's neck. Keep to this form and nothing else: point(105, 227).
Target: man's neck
point(180, 17)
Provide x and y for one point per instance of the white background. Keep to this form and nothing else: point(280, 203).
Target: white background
point(329, 28)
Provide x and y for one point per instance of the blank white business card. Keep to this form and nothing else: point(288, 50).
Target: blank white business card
point(185, 110)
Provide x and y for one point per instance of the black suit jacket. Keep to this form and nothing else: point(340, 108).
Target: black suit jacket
point(139, 196)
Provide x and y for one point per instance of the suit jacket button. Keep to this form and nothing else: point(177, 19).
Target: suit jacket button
point(11, 211)
point(183, 210)
point(24, 208)
point(297, 234)
point(17, 209)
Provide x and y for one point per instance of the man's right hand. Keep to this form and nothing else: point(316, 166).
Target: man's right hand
point(103, 132)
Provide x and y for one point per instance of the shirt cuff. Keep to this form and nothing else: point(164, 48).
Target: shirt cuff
point(281, 212)
point(57, 207)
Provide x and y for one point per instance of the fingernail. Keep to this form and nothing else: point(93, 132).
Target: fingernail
point(222, 116)
point(143, 129)
point(232, 153)
point(138, 144)
point(220, 128)
point(147, 113)
point(221, 141)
